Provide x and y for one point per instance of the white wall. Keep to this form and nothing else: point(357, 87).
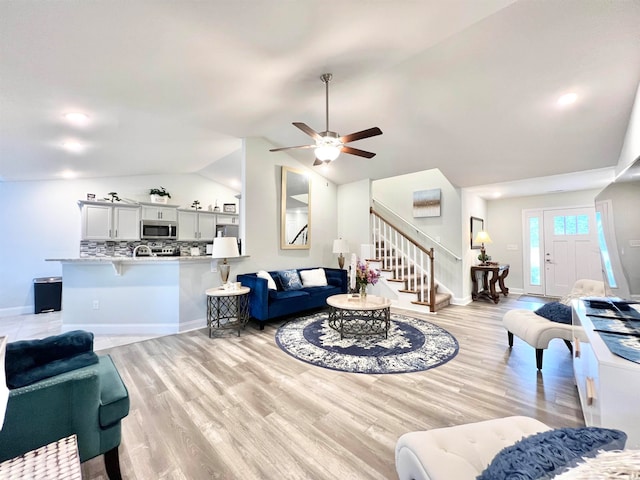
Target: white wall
point(353, 216)
point(41, 220)
point(397, 194)
point(261, 177)
point(504, 223)
point(631, 147)
point(472, 206)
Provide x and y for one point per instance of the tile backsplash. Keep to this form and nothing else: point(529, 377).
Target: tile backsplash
point(92, 248)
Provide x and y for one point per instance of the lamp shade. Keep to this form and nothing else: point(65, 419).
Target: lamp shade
point(340, 246)
point(483, 237)
point(225, 247)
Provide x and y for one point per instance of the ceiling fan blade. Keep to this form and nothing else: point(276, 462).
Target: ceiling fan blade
point(317, 162)
point(369, 132)
point(355, 151)
point(308, 130)
point(290, 148)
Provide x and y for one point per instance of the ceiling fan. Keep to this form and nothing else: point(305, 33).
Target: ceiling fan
point(328, 144)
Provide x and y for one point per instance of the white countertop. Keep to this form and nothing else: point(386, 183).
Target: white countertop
point(150, 259)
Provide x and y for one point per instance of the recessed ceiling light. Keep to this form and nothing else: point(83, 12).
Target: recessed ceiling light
point(68, 174)
point(77, 118)
point(567, 99)
point(73, 146)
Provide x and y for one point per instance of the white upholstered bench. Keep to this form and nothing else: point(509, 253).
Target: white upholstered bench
point(461, 452)
point(538, 331)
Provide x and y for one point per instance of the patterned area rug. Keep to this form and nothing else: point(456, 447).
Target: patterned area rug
point(412, 345)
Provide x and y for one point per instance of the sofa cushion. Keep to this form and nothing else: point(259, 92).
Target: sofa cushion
point(547, 454)
point(325, 291)
point(51, 369)
point(290, 280)
point(271, 284)
point(313, 278)
point(556, 312)
point(28, 361)
point(278, 295)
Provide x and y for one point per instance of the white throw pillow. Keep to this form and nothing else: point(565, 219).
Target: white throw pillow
point(271, 284)
point(313, 278)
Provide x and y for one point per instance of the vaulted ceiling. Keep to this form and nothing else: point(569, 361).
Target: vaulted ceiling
point(467, 86)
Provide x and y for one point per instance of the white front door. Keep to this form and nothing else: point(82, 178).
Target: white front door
point(570, 249)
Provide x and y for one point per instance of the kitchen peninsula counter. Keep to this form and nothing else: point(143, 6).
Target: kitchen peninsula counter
point(136, 296)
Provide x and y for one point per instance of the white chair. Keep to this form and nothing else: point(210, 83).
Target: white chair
point(537, 331)
point(461, 452)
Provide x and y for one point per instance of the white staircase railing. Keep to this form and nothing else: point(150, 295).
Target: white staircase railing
point(407, 260)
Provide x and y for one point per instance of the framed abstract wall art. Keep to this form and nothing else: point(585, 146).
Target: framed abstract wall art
point(426, 203)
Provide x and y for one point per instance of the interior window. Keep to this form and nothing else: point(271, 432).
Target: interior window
point(534, 250)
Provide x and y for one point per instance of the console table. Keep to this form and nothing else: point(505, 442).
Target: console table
point(607, 384)
point(490, 274)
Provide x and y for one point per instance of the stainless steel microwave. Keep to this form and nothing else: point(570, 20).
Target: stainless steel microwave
point(158, 229)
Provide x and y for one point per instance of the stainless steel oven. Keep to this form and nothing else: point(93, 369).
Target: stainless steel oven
point(158, 229)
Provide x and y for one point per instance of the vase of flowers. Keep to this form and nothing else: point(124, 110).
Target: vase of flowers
point(362, 275)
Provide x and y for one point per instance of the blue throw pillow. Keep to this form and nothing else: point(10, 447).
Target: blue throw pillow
point(290, 280)
point(547, 454)
point(556, 312)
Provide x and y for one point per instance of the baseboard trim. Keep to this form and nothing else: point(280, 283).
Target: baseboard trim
point(15, 311)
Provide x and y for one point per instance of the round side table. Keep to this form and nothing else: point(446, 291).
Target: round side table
point(227, 308)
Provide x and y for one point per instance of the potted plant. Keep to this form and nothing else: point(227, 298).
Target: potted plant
point(159, 195)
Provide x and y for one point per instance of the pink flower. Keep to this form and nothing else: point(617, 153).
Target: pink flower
point(365, 274)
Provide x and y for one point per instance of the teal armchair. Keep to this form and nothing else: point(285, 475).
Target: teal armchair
point(90, 401)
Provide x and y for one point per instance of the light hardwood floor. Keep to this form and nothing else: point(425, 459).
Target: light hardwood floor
point(240, 408)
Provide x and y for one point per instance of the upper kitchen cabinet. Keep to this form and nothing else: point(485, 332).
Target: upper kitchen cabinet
point(152, 211)
point(194, 225)
point(227, 219)
point(101, 221)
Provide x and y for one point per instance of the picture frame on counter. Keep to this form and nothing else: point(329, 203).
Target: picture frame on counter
point(229, 208)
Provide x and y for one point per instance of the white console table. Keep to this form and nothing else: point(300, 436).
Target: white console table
point(608, 385)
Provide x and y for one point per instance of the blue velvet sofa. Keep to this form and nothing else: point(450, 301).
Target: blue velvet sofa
point(266, 304)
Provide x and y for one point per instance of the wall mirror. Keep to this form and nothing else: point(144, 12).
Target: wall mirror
point(477, 225)
point(295, 210)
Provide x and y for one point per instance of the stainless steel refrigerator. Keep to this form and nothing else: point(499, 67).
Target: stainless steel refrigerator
point(227, 231)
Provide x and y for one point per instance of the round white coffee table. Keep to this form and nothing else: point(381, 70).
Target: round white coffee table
point(357, 316)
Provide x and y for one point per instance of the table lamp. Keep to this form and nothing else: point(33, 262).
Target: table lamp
point(340, 246)
point(225, 247)
point(483, 237)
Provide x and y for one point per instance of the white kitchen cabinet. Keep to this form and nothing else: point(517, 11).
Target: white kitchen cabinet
point(109, 222)
point(608, 385)
point(126, 223)
point(153, 211)
point(194, 225)
point(228, 219)
point(206, 225)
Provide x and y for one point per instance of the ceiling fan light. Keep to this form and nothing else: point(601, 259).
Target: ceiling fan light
point(327, 153)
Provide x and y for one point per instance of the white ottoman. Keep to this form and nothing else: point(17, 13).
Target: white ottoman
point(461, 452)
